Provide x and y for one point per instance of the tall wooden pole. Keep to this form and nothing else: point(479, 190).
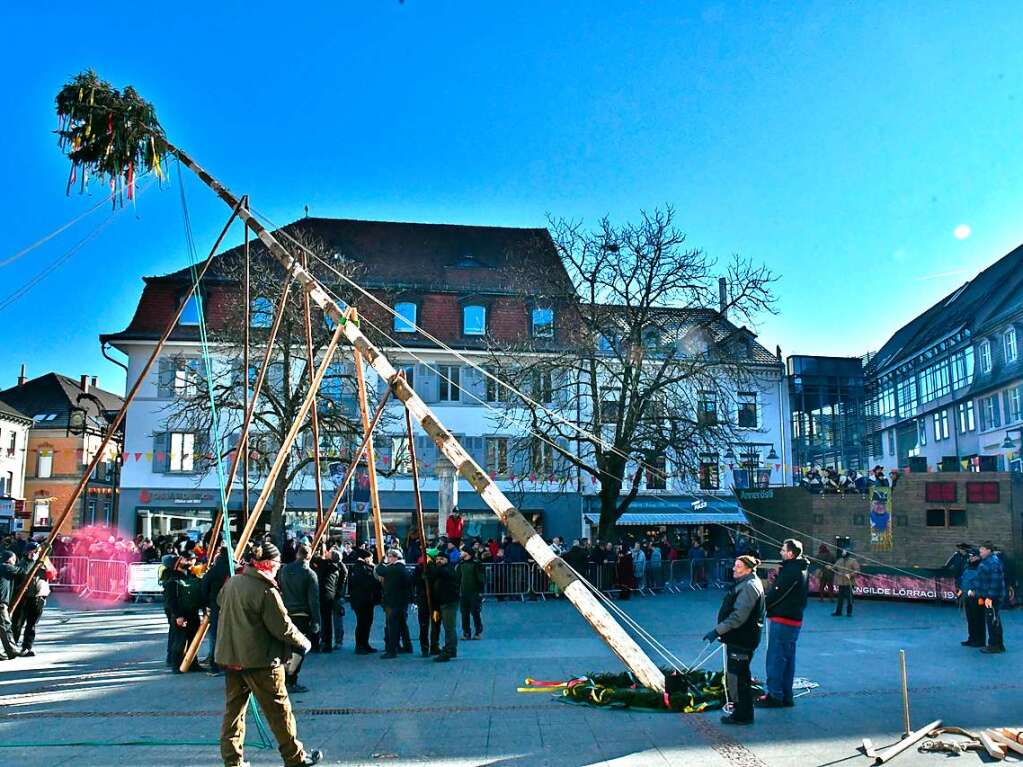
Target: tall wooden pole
point(371, 464)
point(315, 416)
point(517, 525)
point(414, 465)
point(244, 516)
point(119, 418)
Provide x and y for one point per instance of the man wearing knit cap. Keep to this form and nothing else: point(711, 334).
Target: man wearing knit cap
point(740, 623)
point(252, 646)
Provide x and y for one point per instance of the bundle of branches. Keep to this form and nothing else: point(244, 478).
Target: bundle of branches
point(689, 692)
point(107, 132)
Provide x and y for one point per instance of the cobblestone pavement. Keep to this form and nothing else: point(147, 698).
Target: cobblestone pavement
point(99, 677)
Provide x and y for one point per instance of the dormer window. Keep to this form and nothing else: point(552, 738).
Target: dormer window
point(984, 355)
point(543, 322)
point(474, 320)
point(468, 261)
point(190, 313)
point(405, 317)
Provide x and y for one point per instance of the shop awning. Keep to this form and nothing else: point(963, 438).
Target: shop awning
point(735, 517)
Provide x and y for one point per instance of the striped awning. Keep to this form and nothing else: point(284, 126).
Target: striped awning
point(735, 517)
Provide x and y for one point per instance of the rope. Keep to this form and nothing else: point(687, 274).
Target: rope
point(214, 417)
point(63, 227)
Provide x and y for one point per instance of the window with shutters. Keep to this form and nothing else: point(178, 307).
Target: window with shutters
point(1013, 402)
point(182, 452)
point(990, 413)
point(497, 455)
point(448, 383)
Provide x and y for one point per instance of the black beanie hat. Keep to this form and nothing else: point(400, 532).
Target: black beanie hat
point(266, 552)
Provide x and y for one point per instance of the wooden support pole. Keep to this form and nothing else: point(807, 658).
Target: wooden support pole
point(371, 467)
point(119, 418)
point(414, 464)
point(995, 748)
point(350, 472)
point(242, 447)
point(517, 525)
point(310, 362)
point(245, 389)
point(905, 694)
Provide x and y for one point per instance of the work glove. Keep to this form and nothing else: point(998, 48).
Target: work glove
point(988, 603)
point(306, 646)
point(711, 636)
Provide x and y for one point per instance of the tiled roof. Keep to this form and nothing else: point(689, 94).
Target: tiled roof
point(995, 293)
point(10, 412)
point(54, 394)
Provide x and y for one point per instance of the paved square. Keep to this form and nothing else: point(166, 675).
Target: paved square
point(100, 677)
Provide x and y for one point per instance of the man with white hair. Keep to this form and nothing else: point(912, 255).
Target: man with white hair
point(396, 590)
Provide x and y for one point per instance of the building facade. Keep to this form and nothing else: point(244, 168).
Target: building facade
point(69, 418)
point(828, 404)
point(456, 298)
point(945, 392)
point(14, 426)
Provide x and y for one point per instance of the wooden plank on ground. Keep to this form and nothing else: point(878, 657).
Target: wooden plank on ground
point(907, 742)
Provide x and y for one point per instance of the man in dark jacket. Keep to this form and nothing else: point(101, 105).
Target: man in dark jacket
point(990, 593)
point(212, 582)
point(328, 575)
point(9, 572)
point(444, 593)
point(785, 602)
point(740, 622)
point(395, 594)
point(429, 629)
point(34, 602)
point(471, 578)
point(301, 594)
point(182, 597)
point(364, 595)
point(252, 646)
point(975, 628)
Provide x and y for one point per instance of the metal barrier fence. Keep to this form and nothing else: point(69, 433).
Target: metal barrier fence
point(72, 573)
point(507, 580)
point(107, 579)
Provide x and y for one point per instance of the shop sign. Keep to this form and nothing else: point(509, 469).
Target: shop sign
point(178, 497)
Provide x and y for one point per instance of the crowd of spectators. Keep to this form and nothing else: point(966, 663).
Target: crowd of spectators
point(829, 480)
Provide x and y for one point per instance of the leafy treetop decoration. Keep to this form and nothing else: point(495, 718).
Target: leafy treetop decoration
point(107, 132)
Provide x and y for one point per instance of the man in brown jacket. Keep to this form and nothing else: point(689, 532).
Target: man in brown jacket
point(847, 569)
point(253, 635)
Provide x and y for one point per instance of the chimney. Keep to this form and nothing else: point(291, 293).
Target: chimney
point(84, 383)
point(94, 382)
point(21, 375)
point(723, 296)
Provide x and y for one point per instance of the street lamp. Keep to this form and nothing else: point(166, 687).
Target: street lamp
point(772, 456)
point(1008, 443)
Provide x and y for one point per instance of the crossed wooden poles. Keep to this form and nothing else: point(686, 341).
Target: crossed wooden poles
point(347, 327)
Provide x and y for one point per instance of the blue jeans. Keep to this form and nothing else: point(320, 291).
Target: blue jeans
point(781, 660)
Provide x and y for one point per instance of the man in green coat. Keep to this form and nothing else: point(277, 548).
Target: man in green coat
point(253, 637)
point(471, 580)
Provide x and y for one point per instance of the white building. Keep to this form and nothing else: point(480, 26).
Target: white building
point(14, 427)
point(453, 282)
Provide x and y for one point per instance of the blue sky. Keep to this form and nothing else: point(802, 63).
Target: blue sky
point(841, 144)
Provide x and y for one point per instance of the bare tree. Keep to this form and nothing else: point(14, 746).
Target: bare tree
point(639, 369)
point(287, 379)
